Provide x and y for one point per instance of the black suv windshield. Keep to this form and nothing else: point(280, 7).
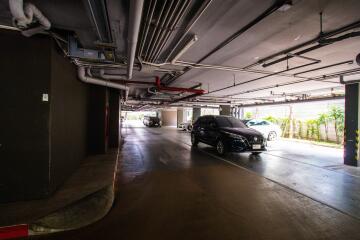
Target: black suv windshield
point(229, 122)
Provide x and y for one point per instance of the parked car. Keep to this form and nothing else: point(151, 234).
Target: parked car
point(270, 130)
point(227, 134)
point(151, 121)
point(185, 126)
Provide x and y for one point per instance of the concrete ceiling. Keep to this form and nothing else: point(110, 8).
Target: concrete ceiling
point(221, 19)
point(279, 31)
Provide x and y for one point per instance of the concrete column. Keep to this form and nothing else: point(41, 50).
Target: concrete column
point(169, 117)
point(196, 113)
point(98, 120)
point(241, 113)
point(225, 110)
point(181, 116)
point(351, 131)
point(114, 113)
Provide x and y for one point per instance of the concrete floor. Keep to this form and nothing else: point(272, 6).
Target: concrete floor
point(167, 190)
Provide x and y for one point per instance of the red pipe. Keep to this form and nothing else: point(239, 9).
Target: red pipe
point(176, 89)
point(133, 82)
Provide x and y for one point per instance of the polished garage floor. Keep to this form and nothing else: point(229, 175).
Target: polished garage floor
point(167, 190)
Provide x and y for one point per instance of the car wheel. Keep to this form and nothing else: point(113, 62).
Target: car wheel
point(255, 153)
point(272, 136)
point(220, 148)
point(194, 140)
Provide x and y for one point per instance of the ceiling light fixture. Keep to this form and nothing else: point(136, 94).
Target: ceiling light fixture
point(188, 45)
point(287, 5)
point(297, 38)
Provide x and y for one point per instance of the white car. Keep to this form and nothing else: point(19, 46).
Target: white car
point(270, 130)
point(185, 126)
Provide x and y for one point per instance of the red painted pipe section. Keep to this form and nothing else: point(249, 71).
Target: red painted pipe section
point(177, 89)
point(16, 231)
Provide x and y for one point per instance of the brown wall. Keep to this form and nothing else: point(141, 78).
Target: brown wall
point(24, 117)
point(42, 142)
point(169, 117)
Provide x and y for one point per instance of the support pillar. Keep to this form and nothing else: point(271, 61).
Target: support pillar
point(351, 131)
point(181, 116)
point(98, 120)
point(225, 110)
point(114, 114)
point(196, 113)
point(169, 117)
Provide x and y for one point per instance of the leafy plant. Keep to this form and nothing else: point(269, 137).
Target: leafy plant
point(311, 129)
point(337, 115)
point(248, 115)
point(271, 119)
point(323, 119)
point(299, 128)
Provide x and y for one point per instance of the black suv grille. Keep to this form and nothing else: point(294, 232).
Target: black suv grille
point(254, 140)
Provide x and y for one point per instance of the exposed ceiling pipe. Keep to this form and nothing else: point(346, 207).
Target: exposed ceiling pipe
point(319, 40)
point(111, 77)
point(318, 78)
point(197, 16)
point(217, 67)
point(177, 89)
point(24, 15)
point(115, 66)
point(316, 99)
point(262, 77)
point(136, 7)
point(289, 69)
point(186, 97)
point(324, 67)
point(120, 78)
point(278, 4)
point(163, 41)
point(91, 80)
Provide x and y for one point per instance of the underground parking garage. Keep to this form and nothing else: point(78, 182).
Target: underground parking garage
point(188, 119)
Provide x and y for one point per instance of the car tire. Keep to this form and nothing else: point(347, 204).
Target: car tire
point(194, 140)
point(220, 148)
point(272, 136)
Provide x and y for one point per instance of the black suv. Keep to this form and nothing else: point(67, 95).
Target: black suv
point(227, 134)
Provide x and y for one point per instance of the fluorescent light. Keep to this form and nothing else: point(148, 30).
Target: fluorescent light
point(285, 7)
point(185, 48)
point(297, 38)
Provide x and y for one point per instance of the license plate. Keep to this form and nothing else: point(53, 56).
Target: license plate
point(256, 146)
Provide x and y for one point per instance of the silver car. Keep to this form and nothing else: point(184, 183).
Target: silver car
point(269, 130)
